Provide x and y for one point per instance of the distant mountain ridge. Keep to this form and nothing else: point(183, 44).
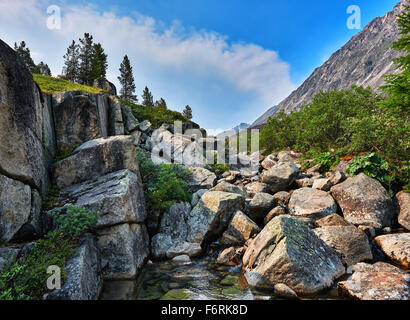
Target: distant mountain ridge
point(363, 60)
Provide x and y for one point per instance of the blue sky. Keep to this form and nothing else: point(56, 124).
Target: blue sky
point(230, 60)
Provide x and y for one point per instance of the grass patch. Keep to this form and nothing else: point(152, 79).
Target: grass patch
point(49, 84)
point(157, 116)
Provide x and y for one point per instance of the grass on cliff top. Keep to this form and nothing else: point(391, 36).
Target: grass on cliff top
point(49, 84)
point(157, 116)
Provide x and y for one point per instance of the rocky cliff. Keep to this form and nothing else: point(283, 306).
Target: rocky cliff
point(363, 61)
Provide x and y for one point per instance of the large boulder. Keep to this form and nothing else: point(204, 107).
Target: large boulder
point(201, 179)
point(311, 203)
point(260, 205)
point(15, 205)
point(286, 251)
point(117, 196)
point(211, 216)
point(364, 201)
point(240, 229)
point(332, 220)
point(255, 187)
point(403, 201)
point(231, 188)
point(280, 176)
point(349, 241)
point(96, 158)
point(124, 249)
point(83, 274)
point(76, 119)
point(173, 231)
point(21, 151)
point(396, 247)
point(380, 281)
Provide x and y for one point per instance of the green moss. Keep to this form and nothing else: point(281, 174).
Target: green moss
point(65, 153)
point(49, 84)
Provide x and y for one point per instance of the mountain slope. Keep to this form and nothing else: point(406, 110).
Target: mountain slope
point(364, 60)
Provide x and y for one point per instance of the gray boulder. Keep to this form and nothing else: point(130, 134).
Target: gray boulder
point(349, 241)
point(260, 205)
point(380, 281)
point(117, 196)
point(364, 201)
point(280, 176)
point(230, 188)
point(201, 179)
point(8, 256)
point(311, 203)
point(124, 249)
point(286, 251)
point(211, 216)
point(96, 158)
point(240, 229)
point(396, 247)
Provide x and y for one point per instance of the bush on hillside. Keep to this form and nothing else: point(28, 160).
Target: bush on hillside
point(347, 121)
point(164, 184)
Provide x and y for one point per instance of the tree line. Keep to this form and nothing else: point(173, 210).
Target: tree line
point(86, 61)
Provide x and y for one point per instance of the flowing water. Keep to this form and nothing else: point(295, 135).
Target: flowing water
point(201, 279)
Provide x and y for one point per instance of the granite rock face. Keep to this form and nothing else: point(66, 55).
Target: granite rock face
point(96, 158)
point(21, 150)
point(286, 251)
point(364, 201)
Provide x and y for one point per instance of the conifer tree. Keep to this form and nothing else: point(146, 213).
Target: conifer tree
point(24, 52)
point(99, 63)
point(43, 68)
point(126, 79)
point(72, 63)
point(187, 112)
point(86, 57)
point(161, 104)
point(147, 98)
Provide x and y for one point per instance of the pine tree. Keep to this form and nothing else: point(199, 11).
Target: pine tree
point(24, 53)
point(99, 63)
point(86, 57)
point(161, 104)
point(147, 98)
point(187, 112)
point(43, 68)
point(126, 79)
point(72, 63)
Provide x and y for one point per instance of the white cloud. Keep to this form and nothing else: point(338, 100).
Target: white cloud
point(247, 68)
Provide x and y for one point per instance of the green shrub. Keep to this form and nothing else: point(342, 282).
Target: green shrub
point(26, 278)
point(347, 121)
point(326, 161)
point(157, 116)
point(164, 184)
point(219, 169)
point(374, 166)
point(75, 222)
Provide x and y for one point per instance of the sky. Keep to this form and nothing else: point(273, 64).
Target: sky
point(229, 60)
